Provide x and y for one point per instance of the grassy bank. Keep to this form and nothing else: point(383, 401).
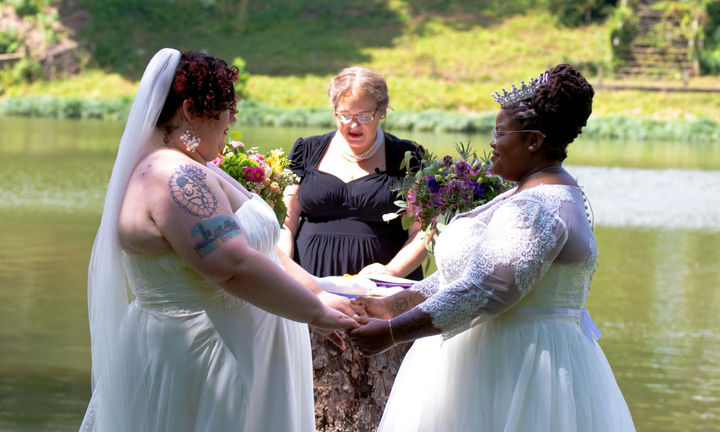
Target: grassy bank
point(448, 59)
point(255, 113)
point(441, 59)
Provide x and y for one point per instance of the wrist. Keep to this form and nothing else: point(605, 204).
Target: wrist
point(392, 336)
point(392, 270)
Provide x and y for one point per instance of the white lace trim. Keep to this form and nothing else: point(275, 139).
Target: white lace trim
point(466, 258)
point(428, 286)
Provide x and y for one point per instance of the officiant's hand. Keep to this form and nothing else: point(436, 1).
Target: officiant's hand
point(372, 338)
point(374, 268)
point(374, 307)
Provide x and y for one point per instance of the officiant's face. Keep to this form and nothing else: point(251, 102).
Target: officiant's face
point(360, 136)
point(510, 156)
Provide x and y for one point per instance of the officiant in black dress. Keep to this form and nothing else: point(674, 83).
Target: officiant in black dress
point(335, 227)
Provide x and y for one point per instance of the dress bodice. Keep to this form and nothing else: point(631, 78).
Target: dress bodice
point(532, 249)
point(167, 283)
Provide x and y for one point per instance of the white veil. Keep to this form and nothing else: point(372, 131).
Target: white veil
point(108, 293)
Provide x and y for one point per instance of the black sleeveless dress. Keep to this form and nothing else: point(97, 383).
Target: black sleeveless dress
point(341, 228)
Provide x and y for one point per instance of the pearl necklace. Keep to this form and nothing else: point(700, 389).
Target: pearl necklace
point(347, 153)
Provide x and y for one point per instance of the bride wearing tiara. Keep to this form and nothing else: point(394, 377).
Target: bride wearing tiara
point(517, 351)
point(215, 338)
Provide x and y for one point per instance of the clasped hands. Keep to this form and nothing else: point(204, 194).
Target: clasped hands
point(373, 337)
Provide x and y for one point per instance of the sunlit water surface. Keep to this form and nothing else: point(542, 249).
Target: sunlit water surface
point(655, 294)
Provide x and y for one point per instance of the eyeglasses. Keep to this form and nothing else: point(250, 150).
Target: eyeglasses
point(362, 118)
point(497, 134)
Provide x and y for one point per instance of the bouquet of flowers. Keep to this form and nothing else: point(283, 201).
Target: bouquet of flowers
point(439, 189)
point(265, 175)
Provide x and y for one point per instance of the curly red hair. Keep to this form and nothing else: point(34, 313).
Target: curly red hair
point(207, 81)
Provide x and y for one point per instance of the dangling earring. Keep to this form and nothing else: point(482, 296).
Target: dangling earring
point(191, 140)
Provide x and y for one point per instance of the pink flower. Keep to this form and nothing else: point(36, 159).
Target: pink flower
point(488, 173)
point(411, 196)
point(257, 158)
point(248, 173)
point(237, 144)
point(217, 161)
point(258, 175)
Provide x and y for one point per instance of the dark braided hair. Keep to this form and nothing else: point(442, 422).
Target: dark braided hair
point(559, 109)
point(207, 81)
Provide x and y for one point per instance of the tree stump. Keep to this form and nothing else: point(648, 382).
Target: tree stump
point(351, 390)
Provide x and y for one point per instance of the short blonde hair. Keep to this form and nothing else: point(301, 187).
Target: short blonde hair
point(359, 78)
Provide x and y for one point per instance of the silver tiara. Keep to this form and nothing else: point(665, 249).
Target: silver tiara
point(524, 92)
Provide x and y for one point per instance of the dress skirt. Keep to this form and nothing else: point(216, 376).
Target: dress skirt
point(509, 374)
point(217, 370)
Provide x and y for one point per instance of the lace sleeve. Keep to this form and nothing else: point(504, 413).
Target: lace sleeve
point(521, 240)
point(428, 286)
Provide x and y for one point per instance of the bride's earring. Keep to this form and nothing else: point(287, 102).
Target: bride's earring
point(191, 140)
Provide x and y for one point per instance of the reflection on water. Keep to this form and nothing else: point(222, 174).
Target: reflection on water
point(654, 295)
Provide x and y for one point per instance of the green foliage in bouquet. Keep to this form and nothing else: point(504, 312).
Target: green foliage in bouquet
point(266, 175)
point(439, 189)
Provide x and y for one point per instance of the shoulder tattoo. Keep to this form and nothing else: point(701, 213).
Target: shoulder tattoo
point(188, 189)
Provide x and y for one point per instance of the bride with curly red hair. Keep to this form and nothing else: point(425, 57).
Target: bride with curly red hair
point(196, 322)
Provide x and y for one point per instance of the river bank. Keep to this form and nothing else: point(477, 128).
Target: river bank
point(253, 113)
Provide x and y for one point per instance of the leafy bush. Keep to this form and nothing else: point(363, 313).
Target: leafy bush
point(573, 13)
point(243, 77)
point(9, 41)
point(57, 107)
point(24, 70)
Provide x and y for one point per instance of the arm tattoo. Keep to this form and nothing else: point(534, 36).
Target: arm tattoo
point(404, 301)
point(189, 190)
point(211, 234)
point(413, 325)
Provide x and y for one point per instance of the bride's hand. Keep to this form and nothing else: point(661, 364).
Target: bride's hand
point(330, 321)
point(374, 268)
point(342, 304)
point(375, 307)
point(372, 338)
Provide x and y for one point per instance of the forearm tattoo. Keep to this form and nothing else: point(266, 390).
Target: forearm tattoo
point(189, 190)
point(403, 302)
point(413, 325)
point(211, 234)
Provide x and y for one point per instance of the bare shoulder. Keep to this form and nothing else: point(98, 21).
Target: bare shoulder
point(176, 183)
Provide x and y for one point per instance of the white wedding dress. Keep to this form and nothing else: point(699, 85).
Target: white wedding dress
point(517, 352)
point(191, 357)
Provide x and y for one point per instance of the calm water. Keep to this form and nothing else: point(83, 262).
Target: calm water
point(655, 294)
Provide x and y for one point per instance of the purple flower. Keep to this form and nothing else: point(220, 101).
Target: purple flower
point(462, 168)
point(456, 186)
point(433, 184)
point(447, 161)
point(478, 189)
point(438, 199)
